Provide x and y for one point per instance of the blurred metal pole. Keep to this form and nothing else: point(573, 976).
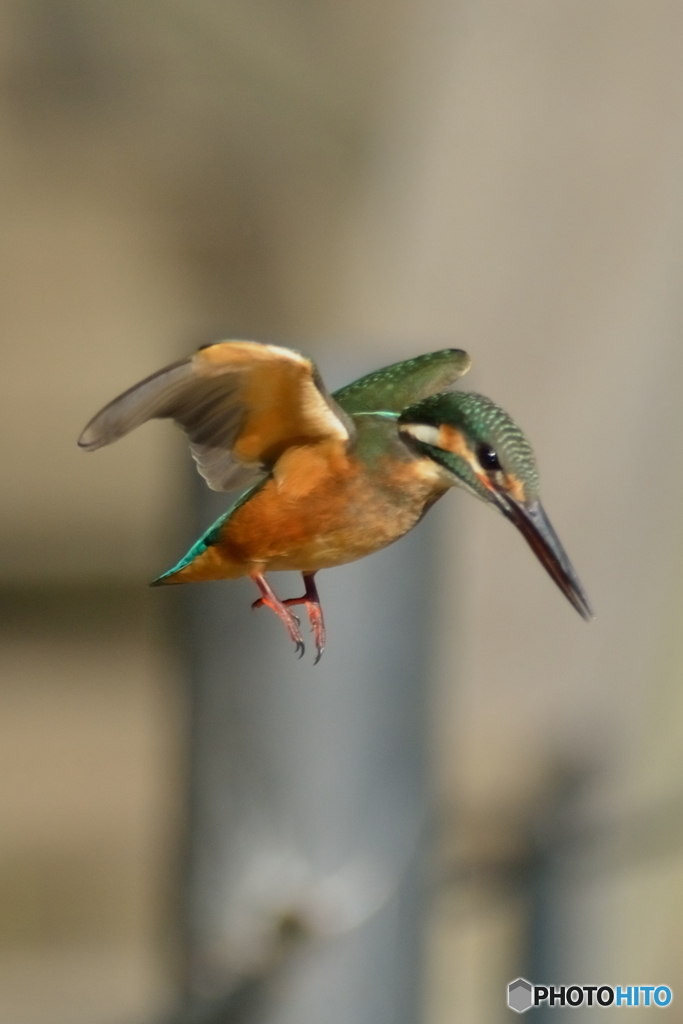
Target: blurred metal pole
point(309, 806)
point(555, 878)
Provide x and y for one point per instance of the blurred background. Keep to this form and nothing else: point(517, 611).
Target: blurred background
point(365, 181)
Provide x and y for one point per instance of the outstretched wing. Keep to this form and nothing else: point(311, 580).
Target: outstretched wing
point(395, 387)
point(240, 403)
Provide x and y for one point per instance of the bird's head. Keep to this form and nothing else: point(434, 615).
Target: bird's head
point(485, 452)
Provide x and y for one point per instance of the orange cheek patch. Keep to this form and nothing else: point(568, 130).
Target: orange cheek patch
point(515, 487)
point(452, 440)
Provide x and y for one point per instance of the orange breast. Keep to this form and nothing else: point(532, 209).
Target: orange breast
point(321, 508)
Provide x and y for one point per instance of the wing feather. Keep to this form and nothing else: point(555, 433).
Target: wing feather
point(395, 387)
point(240, 403)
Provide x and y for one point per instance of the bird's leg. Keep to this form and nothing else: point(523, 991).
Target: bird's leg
point(269, 599)
point(315, 612)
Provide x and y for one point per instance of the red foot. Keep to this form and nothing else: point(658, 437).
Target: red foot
point(281, 608)
point(269, 599)
point(315, 612)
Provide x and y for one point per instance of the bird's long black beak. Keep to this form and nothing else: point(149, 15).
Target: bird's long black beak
point(534, 525)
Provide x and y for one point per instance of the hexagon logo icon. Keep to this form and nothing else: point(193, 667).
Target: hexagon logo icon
point(519, 995)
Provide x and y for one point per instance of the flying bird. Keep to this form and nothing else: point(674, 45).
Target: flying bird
point(329, 478)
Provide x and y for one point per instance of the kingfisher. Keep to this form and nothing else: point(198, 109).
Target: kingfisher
point(325, 478)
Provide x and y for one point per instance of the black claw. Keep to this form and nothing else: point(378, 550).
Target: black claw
point(318, 655)
point(300, 648)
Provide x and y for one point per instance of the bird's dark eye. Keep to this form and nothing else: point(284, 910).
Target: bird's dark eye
point(487, 458)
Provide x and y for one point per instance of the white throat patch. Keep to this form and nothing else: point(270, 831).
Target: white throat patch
point(422, 432)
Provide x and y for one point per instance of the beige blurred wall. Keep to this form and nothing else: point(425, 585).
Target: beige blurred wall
point(502, 176)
